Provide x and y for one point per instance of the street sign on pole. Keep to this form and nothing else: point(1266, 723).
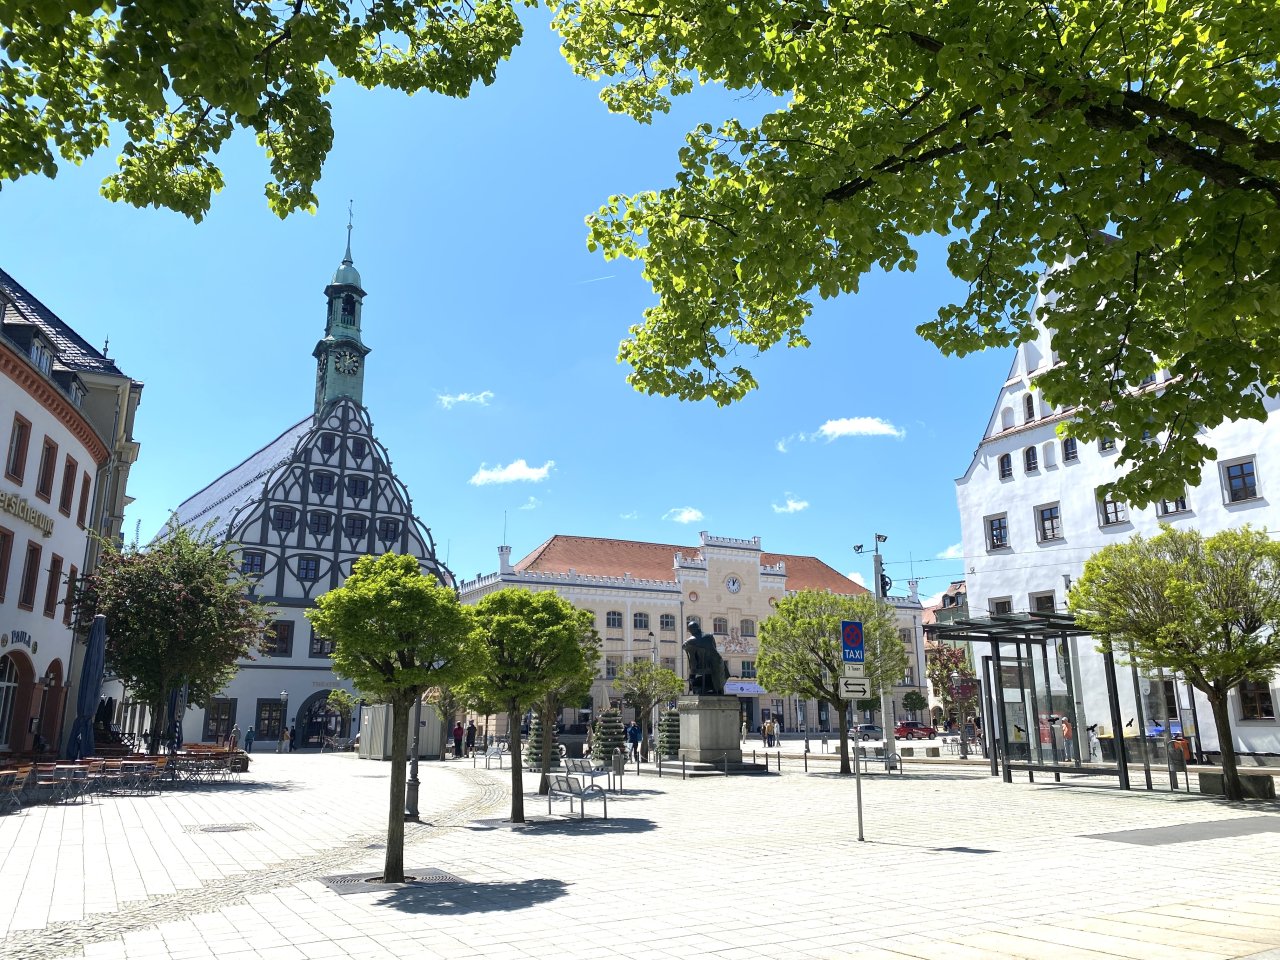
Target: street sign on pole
point(855, 688)
point(852, 649)
point(858, 670)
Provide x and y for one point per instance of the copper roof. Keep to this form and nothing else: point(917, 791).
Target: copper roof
point(598, 556)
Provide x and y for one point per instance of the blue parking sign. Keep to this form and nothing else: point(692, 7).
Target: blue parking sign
point(851, 646)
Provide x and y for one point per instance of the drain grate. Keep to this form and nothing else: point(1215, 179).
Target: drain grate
point(220, 827)
point(344, 884)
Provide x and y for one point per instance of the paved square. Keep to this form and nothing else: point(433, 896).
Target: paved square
point(957, 865)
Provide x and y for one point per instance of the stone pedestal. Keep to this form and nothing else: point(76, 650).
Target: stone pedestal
point(710, 728)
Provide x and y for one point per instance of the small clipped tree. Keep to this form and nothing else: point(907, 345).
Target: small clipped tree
point(607, 735)
point(643, 685)
point(544, 746)
point(915, 701)
point(344, 705)
point(1205, 607)
point(531, 645)
point(396, 632)
point(669, 734)
point(800, 649)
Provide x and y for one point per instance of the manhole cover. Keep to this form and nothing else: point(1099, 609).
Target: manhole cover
point(220, 827)
point(348, 883)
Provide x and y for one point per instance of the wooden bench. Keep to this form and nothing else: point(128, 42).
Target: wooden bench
point(564, 787)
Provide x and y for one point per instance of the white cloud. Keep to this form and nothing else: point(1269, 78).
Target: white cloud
point(934, 600)
point(683, 514)
point(629, 515)
point(858, 427)
point(953, 552)
point(533, 503)
point(792, 505)
point(781, 445)
point(857, 578)
point(448, 401)
point(515, 471)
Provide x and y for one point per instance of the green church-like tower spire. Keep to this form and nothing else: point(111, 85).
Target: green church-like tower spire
point(340, 354)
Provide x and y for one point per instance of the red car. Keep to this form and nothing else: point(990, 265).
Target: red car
point(914, 730)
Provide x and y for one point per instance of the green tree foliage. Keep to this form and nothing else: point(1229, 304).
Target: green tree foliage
point(1022, 130)
point(1204, 607)
point(915, 701)
point(532, 645)
point(177, 613)
point(173, 81)
point(396, 632)
point(344, 705)
point(643, 685)
point(800, 650)
point(941, 663)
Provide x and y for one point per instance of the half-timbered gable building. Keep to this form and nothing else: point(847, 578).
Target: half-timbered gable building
point(302, 510)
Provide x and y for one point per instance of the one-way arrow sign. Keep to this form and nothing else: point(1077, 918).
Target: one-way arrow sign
point(855, 688)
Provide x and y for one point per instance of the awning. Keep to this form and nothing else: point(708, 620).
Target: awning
point(744, 688)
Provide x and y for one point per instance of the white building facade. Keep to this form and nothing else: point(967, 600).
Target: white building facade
point(302, 510)
point(1031, 514)
point(67, 412)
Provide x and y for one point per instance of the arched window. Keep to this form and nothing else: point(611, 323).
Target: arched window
point(1006, 418)
point(1070, 450)
point(1029, 405)
point(1030, 460)
point(1006, 466)
point(639, 621)
point(690, 621)
point(748, 628)
point(348, 309)
point(613, 619)
point(720, 625)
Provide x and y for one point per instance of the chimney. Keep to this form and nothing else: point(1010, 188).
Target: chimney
point(504, 559)
point(915, 589)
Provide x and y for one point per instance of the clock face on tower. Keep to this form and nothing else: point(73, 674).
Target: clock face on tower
point(346, 362)
point(733, 584)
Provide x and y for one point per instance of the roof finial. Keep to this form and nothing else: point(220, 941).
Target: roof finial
point(106, 343)
point(347, 258)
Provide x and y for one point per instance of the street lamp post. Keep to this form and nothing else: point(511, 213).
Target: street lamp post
point(411, 788)
point(880, 590)
point(653, 709)
point(284, 716)
point(41, 744)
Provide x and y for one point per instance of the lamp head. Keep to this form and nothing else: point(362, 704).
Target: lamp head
point(881, 538)
point(857, 548)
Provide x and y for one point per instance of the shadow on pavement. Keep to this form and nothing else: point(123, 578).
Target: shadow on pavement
point(460, 898)
point(567, 825)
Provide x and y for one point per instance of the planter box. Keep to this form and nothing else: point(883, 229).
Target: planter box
point(932, 752)
point(1258, 786)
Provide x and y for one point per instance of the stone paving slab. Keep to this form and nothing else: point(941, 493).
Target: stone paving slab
point(956, 866)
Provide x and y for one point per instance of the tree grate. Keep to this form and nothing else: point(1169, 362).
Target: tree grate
point(219, 827)
point(345, 884)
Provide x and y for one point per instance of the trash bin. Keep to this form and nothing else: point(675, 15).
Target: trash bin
point(619, 764)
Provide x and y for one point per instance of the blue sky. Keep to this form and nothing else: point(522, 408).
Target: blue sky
point(493, 378)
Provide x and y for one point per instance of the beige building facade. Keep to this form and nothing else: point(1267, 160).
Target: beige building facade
point(643, 594)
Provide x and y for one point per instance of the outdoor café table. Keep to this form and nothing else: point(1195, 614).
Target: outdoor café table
point(132, 773)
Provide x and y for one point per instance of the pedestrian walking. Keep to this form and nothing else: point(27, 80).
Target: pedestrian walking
point(633, 739)
point(283, 743)
point(248, 740)
point(233, 741)
point(471, 737)
point(458, 734)
point(293, 738)
point(744, 732)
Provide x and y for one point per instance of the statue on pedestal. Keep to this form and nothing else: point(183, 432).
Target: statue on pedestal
point(707, 669)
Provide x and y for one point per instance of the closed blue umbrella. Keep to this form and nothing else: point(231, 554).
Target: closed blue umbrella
point(95, 656)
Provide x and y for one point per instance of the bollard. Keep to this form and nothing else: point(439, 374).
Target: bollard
point(683, 766)
point(659, 766)
point(726, 764)
point(806, 761)
point(753, 756)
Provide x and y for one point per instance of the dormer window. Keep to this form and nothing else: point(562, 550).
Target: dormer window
point(42, 355)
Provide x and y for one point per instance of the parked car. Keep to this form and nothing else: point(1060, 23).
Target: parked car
point(914, 730)
point(867, 731)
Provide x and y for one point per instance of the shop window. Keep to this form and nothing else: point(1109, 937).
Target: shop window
point(219, 718)
point(1255, 701)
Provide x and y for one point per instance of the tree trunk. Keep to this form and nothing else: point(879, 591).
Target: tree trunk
point(842, 708)
point(158, 711)
point(644, 733)
point(393, 865)
point(517, 767)
point(1222, 723)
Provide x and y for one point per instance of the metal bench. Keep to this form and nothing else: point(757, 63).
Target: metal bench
point(336, 743)
point(585, 767)
point(571, 788)
point(495, 751)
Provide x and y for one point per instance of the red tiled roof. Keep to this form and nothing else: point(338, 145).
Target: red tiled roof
point(601, 557)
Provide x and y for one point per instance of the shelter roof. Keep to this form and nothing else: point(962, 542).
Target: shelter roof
point(1035, 627)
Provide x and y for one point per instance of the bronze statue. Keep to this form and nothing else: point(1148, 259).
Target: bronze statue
point(707, 669)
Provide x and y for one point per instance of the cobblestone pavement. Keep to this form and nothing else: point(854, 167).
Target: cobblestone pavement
point(956, 865)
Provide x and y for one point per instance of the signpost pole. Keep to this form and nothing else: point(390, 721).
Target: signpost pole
point(857, 778)
point(853, 654)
